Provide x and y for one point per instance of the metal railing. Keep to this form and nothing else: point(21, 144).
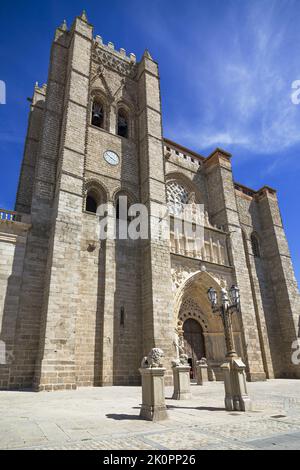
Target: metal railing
point(8, 215)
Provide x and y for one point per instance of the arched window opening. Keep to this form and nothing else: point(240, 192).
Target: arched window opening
point(123, 124)
point(98, 114)
point(91, 204)
point(255, 245)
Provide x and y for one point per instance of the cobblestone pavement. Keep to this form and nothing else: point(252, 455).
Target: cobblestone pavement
point(108, 418)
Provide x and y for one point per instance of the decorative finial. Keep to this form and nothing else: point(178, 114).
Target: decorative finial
point(83, 16)
point(64, 26)
point(147, 54)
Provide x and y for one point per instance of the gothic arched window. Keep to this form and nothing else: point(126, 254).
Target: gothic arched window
point(95, 196)
point(91, 204)
point(122, 124)
point(255, 245)
point(177, 197)
point(98, 114)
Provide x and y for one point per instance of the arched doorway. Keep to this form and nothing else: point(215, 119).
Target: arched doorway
point(205, 336)
point(194, 343)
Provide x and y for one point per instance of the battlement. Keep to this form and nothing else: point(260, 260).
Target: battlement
point(110, 47)
point(40, 89)
point(98, 41)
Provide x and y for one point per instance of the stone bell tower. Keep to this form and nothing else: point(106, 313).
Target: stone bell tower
point(95, 133)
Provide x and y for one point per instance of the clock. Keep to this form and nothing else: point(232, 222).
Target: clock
point(111, 157)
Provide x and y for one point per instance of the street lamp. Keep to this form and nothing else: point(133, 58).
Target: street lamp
point(235, 296)
point(213, 298)
point(236, 396)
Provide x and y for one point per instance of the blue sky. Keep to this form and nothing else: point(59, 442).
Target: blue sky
point(226, 72)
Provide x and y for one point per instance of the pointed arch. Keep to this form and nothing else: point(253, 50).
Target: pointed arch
point(99, 84)
point(99, 109)
point(124, 119)
point(123, 125)
point(195, 287)
point(94, 195)
point(199, 281)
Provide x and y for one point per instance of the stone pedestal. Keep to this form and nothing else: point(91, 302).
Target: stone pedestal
point(153, 394)
point(236, 396)
point(201, 373)
point(182, 384)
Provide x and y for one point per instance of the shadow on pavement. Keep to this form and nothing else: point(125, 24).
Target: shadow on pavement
point(120, 417)
point(198, 408)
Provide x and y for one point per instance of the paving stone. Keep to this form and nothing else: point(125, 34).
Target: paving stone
point(108, 418)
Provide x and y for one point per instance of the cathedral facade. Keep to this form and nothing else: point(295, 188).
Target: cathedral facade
point(77, 310)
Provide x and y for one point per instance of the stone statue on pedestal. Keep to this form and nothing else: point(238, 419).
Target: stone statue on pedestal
point(181, 357)
point(153, 388)
point(153, 359)
point(180, 366)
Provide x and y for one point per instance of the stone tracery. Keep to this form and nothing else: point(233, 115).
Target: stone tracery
point(177, 197)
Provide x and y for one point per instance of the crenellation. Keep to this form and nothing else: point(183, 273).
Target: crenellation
point(110, 48)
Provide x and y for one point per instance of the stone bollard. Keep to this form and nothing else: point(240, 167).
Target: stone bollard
point(182, 384)
point(202, 371)
point(236, 396)
point(181, 378)
point(153, 388)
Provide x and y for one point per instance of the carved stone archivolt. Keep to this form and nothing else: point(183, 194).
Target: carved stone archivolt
point(190, 309)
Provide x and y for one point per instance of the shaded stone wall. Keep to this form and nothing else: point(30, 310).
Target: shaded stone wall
point(13, 237)
point(280, 270)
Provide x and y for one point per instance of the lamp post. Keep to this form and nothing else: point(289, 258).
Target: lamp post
point(236, 396)
point(225, 310)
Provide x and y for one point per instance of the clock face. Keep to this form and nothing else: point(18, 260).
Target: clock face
point(111, 157)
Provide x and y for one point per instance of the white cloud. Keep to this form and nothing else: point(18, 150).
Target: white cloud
point(10, 137)
point(239, 84)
